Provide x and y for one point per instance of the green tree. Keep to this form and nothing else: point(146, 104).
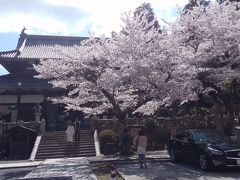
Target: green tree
point(149, 13)
point(221, 1)
point(195, 3)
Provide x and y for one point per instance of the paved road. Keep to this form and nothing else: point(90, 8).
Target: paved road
point(79, 168)
point(156, 171)
point(170, 171)
point(14, 173)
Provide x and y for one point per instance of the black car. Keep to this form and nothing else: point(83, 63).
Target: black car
point(206, 147)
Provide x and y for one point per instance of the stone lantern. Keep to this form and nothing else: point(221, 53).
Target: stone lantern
point(37, 112)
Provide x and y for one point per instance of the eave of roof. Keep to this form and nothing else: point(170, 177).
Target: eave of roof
point(8, 54)
point(26, 78)
point(32, 47)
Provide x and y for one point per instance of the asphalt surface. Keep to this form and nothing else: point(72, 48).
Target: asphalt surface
point(169, 171)
point(164, 170)
point(14, 173)
point(63, 168)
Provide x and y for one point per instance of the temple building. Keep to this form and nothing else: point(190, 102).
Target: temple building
point(24, 97)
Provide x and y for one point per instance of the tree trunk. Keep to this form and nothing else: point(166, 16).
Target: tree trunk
point(120, 115)
point(219, 109)
point(230, 124)
point(121, 122)
point(220, 123)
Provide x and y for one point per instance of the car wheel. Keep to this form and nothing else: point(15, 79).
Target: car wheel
point(203, 162)
point(172, 155)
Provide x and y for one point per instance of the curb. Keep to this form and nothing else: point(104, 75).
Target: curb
point(123, 175)
point(112, 160)
point(130, 161)
point(19, 165)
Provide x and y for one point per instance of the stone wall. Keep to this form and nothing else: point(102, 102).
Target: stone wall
point(173, 124)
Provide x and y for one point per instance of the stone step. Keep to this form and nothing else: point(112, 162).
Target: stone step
point(62, 136)
point(64, 139)
point(63, 132)
point(76, 154)
point(53, 153)
point(55, 148)
point(69, 155)
point(71, 151)
point(54, 145)
point(60, 143)
point(66, 144)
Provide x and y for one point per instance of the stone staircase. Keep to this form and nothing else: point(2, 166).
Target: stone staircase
point(54, 145)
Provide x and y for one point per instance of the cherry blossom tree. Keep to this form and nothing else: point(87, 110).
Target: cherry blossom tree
point(99, 74)
point(132, 71)
point(208, 38)
point(141, 67)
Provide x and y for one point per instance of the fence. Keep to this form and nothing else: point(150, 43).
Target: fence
point(112, 123)
point(32, 125)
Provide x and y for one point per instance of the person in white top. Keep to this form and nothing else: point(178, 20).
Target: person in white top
point(140, 142)
point(70, 132)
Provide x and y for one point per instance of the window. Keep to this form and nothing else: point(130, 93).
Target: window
point(181, 135)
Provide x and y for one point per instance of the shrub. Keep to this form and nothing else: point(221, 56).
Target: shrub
point(106, 138)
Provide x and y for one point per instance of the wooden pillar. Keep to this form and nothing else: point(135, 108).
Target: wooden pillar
point(18, 106)
point(10, 147)
point(18, 100)
point(1, 129)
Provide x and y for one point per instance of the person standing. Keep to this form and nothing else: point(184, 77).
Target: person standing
point(77, 130)
point(140, 142)
point(70, 132)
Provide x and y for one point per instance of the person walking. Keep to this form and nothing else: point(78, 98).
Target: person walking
point(77, 126)
point(140, 142)
point(70, 132)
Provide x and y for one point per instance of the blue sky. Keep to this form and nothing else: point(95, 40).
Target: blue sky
point(71, 17)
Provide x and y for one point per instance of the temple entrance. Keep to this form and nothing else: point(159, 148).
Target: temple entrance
point(51, 116)
point(61, 123)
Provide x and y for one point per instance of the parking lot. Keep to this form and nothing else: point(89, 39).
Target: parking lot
point(180, 171)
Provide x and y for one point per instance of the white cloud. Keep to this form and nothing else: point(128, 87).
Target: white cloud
point(75, 17)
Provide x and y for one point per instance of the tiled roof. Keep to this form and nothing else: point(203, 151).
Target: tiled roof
point(40, 46)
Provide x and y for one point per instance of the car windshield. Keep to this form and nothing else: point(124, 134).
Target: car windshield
point(213, 137)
